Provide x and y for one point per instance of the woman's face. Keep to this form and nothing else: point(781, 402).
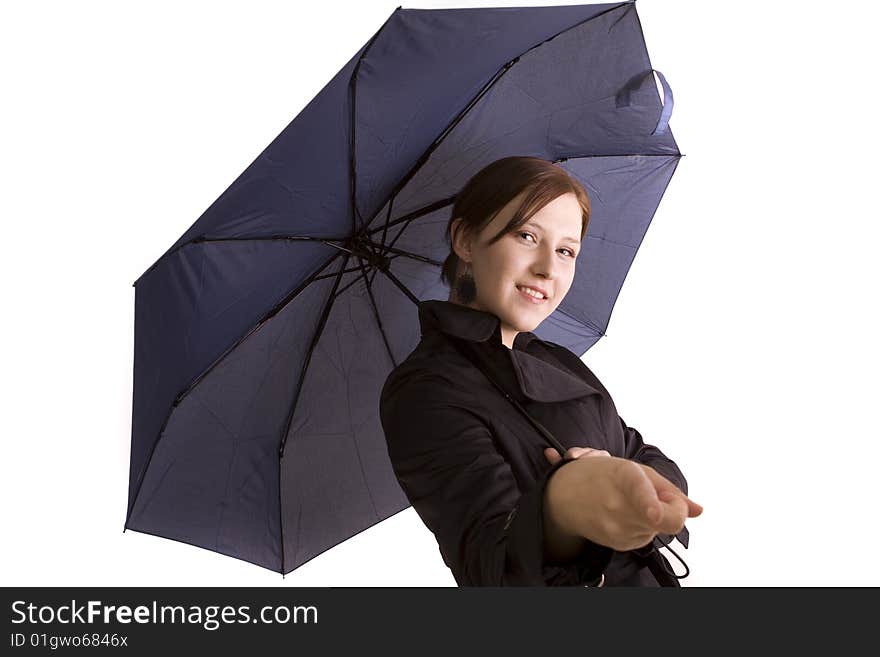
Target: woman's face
point(539, 254)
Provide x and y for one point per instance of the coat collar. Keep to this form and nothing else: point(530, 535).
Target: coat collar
point(539, 375)
point(465, 322)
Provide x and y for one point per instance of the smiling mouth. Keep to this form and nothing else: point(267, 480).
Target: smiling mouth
point(531, 295)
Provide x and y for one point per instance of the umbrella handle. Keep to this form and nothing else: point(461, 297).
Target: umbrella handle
point(624, 98)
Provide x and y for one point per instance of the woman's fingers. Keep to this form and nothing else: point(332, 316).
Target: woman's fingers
point(666, 491)
point(553, 457)
point(693, 509)
point(641, 493)
point(675, 510)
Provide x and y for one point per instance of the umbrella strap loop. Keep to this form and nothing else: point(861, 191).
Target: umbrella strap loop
point(624, 97)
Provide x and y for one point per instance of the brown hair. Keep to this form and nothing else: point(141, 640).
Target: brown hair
point(494, 186)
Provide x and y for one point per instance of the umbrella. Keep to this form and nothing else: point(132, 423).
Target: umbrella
point(264, 334)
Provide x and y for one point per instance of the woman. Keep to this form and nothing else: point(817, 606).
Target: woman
point(474, 468)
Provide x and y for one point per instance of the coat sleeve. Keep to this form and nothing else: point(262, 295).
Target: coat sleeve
point(490, 533)
point(637, 449)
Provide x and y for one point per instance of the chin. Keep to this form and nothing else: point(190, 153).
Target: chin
point(524, 326)
point(520, 321)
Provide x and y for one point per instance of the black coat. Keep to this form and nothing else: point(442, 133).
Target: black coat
point(473, 467)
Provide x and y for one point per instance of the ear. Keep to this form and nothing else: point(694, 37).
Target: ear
point(461, 241)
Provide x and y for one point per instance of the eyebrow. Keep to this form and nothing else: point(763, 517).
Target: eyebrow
point(539, 227)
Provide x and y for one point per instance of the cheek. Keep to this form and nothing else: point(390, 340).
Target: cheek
point(562, 293)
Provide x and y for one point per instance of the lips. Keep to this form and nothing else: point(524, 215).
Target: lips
point(528, 297)
point(536, 289)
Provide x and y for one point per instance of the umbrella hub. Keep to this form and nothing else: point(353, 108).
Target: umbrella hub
point(370, 252)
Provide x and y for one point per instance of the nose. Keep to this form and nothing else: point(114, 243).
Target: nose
point(546, 264)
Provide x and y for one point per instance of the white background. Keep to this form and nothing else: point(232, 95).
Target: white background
point(743, 342)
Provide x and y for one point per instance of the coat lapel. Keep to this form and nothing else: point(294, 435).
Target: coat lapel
point(539, 375)
point(542, 381)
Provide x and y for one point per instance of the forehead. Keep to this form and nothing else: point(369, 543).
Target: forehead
point(558, 219)
point(561, 218)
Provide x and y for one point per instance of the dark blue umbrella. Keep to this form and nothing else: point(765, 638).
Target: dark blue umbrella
point(264, 334)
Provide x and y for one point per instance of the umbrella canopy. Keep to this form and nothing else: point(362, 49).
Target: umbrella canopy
point(263, 336)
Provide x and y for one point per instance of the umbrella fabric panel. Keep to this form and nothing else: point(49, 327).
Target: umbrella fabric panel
point(298, 184)
point(550, 103)
point(192, 308)
point(625, 193)
point(213, 477)
point(336, 443)
point(410, 88)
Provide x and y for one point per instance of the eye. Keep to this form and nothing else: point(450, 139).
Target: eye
point(571, 254)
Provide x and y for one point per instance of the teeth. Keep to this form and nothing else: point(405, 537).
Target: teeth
point(531, 292)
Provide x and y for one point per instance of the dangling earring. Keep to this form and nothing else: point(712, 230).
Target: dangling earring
point(465, 287)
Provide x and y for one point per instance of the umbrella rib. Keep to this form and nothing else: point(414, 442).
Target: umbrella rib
point(427, 154)
point(317, 336)
point(266, 238)
point(181, 395)
point(376, 312)
point(437, 205)
point(355, 279)
point(344, 271)
point(595, 155)
point(329, 241)
point(352, 92)
point(390, 247)
point(497, 76)
point(347, 285)
point(352, 282)
point(414, 256)
point(357, 451)
point(403, 287)
point(375, 270)
point(587, 321)
point(415, 214)
point(385, 223)
point(302, 375)
point(202, 239)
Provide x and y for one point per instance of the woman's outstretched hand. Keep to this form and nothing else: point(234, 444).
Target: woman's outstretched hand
point(612, 501)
